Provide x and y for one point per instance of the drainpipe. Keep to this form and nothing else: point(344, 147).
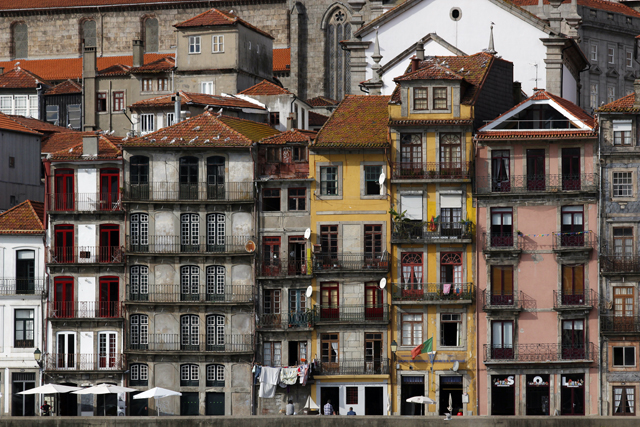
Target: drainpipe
point(256, 222)
point(600, 340)
point(475, 153)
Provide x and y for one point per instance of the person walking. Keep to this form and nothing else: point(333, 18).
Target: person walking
point(328, 408)
point(290, 408)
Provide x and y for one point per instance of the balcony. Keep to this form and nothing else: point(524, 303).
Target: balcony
point(432, 232)
point(295, 170)
point(194, 343)
point(512, 302)
point(536, 184)
point(622, 325)
point(230, 294)
point(284, 268)
point(196, 192)
point(619, 264)
point(84, 202)
point(84, 362)
point(352, 313)
point(355, 263)
point(433, 293)
point(541, 353)
point(86, 255)
point(565, 301)
point(21, 286)
point(568, 242)
point(354, 367)
point(175, 245)
point(85, 310)
point(501, 243)
point(293, 321)
point(431, 171)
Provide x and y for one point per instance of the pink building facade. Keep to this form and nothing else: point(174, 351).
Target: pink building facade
point(536, 188)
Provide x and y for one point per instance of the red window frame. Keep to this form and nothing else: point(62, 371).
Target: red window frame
point(412, 266)
point(329, 300)
point(109, 189)
point(118, 101)
point(109, 297)
point(271, 255)
point(64, 249)
point(110, 243)
point(63, 300)
point(64, 195)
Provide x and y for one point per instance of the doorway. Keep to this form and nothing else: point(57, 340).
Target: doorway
point(23, 405)
point(109, 192)
point(412, 385)
point(68, 406)
point(373, 404)
point(215, 404)
point(107, 405)
point(450, 386)
point(189, 403)
point(109, 243)
point(572, 394)
point(138, 407)
point(333, 394)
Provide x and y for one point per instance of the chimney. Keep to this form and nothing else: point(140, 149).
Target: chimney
point(90, 145)
point(420, 51)
point(1, 70)
point(176, 108)
point(636, 89)
point(138, 53)
point(415, 62)
point(290, 121)
point(517, 92)
point(89, 90)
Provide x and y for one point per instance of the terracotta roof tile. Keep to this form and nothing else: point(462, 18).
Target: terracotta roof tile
point(19, 78)
point(316, 119)
point(517, 135)
point(10, 124)
point(58, 4)
point(206, 130)
point(622, 105)
point(71, 68)
point(293, 135)
point(321, 101)
point(430, 72)
point(107, 149)
point(443, 122)
point(609, 6)
point(161, 65)
point(191, 98)
point(360, 121)
point(281, 59)
point(216, 17)
point(265, 88)
point(115, 70)
point(40, 126)
point(66, 87)
point(62, 141)
point(25, 218)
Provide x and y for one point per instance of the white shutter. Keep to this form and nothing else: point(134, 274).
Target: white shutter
point(451, 200)
point(413, 205)
point(622, 125)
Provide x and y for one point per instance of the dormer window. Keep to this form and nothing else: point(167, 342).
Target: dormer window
point(420, 98)
point(194, 44)
point(439, 98)
point(622, 132)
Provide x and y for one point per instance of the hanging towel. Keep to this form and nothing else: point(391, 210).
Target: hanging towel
point(289, 376)
point(304, 374)
point(446, 288)
point(269, 377)
point(257, 369)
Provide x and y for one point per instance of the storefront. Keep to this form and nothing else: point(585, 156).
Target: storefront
point(537, 394)
point(503, 395)
point(572, 394)
point(450, 391)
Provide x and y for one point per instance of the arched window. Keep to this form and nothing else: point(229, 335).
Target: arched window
point(150, 34)
point(189, 283)
point(139, 374)
point(190, 332)
point(215, 333)
point(139, 283)
point(20, 40)
point(139, 333)
point(337, 61)
point(88, 32)
point(215, 375)
point(215, 283)
point(189, 375)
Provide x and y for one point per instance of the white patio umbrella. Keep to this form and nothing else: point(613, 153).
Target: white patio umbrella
point(423, 400)
point(50, 389)
point(157, 393)
point(104, 389)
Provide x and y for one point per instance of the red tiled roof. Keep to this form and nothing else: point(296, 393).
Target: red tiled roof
point(62, 141)
point(163, 64)
point(40, 126)
point(443, 122)
point(71, 68)
point(281, 59)
point(293, 135)
point(430, 72)
point(67, 86)
point(10, 124)
point(316, 119)
point(19, 78)
point(61, 4)
point(543, 134)
point(115, 70)
point(321, 101)
point(265, 88)
point(25, 218)
point(191, 98)
point(622, 105)
point(360, 121)
point(609, 6)
point(216, 17)
point(206, 130)
point(106, 150)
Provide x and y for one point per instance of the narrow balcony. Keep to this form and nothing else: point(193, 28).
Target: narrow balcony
point(585, 241)
point(619, 325)
point(21, 286)
point(354, 367)
point(431, 171)
point(210, 293)
point(193, 343)
point(433, 293)
point(432, 232)
point(284, 268)
point(536, 184)
point(502, 302)
point(620, 264)
point(84, 362)
point(541, 353)
point(193, 192)
point(175, 245)
point(508, 242)
point(352, 313)
point(84, 310)
point(292, 321)
point(570, 300)
point(86, 255)
point(84, 202)
point(295, 170)
point(354, 263)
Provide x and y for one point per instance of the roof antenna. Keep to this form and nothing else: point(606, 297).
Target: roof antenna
point(491, 49)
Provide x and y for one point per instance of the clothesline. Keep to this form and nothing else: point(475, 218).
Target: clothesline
point(269, 377)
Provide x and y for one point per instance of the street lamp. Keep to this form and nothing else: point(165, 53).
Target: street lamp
point(394, 348)
point(37, 355)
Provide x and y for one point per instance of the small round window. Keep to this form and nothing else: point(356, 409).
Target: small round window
point(455, 14)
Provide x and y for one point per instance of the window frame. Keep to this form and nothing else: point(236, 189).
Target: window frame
point(329, 187)
point(628, 55)
point(195, 45)
point(624, 356)
point(593, 52)
point(415, 323)
point(24, 343)
point(271, 195)
point(297, 199)
point(366, 180)
point(459, 328)
point(163, 84)
point(444, 98)
point(594, 93)
point(217, 43)
point(192, 378)
point(633, 404)
point(136, 370)
point(146, 84)
point(611, 55)
point(217, 369)
point(618, 187)
point(422, 100)
point(102, 104)
point(118, 101)
point(622, 138)
point(274, 351)
point(623, 238)
point(147, 123)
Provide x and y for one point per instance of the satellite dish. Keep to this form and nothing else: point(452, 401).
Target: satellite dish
point(383, 283)
point(307, 233)
point(381, 178)
point(250, 246)
point(309, 292)
point(456, 365)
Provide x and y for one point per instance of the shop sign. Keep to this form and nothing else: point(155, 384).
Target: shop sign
point(572, 383)
point(538, 382)
point(507, 382)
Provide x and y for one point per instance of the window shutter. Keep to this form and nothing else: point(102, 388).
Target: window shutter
point(622, 126)
point(451, 200)
point(413, 205)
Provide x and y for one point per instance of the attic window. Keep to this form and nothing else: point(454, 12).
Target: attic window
point(420, 98)
point(610, 16)
point(455, 14)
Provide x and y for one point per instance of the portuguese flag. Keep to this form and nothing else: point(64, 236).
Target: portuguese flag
point(425, 347)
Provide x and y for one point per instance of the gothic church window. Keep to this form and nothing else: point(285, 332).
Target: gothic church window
point(20, 40)
point(151, 35)
point(89, 33)
point(337, 61)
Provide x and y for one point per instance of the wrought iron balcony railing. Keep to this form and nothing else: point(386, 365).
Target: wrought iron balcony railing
point(501, 241)
point(284, 268)
point(431, 170)
point(21, 286)
point(200, 191)
point(86, 255)
point(196, 294)
point(352, 313)
point(354, 367)
point(527, 184)
point(620, 263)
point(552, 352)
point(84, 362)
point(84, 310)
point(336, 262)
point(431, 232)
point(573, 299)
point(215, 343)
point(504, 301)
point(199, 244)
point(569, 241)
point(611, 323)
point(435, 292)
point(299, 320)
point(84, 202)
